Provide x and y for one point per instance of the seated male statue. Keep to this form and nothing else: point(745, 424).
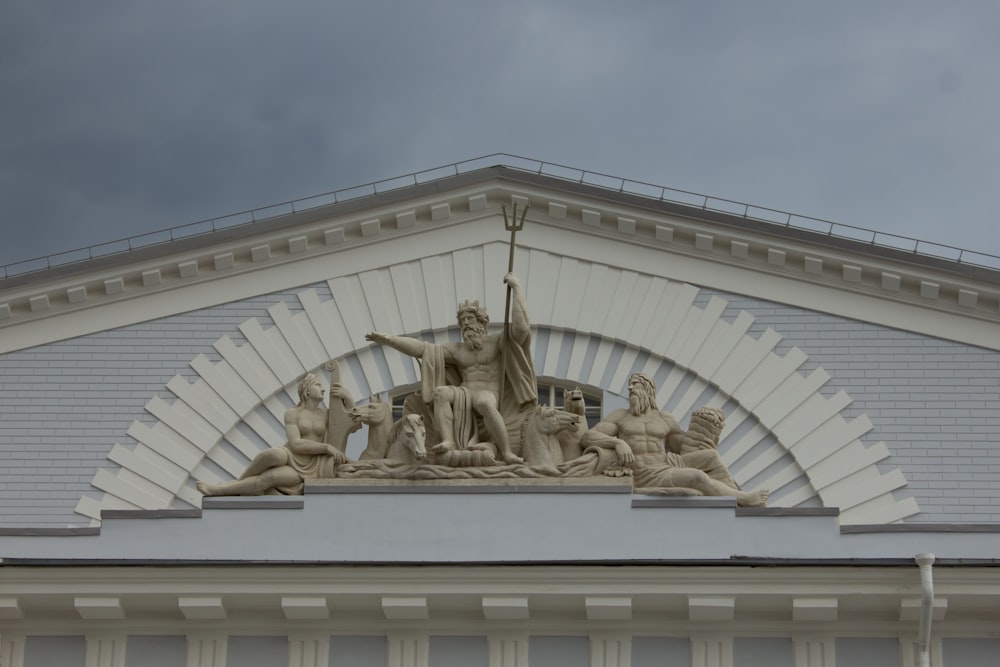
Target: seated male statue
point(651, 447)
point(483, 361)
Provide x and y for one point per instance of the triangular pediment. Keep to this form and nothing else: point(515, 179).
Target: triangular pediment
point(618, 279)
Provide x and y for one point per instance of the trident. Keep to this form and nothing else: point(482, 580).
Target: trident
point(512, 226)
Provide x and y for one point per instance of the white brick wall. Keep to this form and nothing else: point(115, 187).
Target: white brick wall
point(64, 405)
point(935, 403)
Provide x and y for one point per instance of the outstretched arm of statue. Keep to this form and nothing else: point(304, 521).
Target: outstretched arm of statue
point(305, 446)
point(604, 435)
point(520, 327)
point(408, 346)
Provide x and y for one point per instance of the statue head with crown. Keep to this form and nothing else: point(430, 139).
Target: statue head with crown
point(472, 320)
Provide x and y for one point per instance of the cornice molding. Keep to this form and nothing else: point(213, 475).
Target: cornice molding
point(906, 286)
point(662, 599)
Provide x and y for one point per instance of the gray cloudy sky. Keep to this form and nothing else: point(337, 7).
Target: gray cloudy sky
point(122, 117)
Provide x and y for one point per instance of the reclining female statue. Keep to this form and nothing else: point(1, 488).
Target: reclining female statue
point(306, 455)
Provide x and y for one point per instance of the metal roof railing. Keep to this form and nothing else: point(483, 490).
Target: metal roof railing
point(751, 212)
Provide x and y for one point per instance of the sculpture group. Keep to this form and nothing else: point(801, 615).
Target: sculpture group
point(477, 416)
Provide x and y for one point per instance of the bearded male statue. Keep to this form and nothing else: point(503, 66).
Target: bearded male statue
point(651, 447)
point(478, 360)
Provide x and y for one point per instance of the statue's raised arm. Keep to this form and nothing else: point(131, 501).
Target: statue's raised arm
point(477, 367)
point(520, 327)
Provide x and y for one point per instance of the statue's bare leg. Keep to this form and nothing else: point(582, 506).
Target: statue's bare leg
point(445, 418)
point(696, 479)
point(485, 403)
point(709, 461)
point(269, 458)
point(252, 486)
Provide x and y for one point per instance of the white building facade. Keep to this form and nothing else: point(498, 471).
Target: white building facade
point(860, 379)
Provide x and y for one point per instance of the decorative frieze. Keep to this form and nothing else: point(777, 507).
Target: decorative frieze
point(824, 446)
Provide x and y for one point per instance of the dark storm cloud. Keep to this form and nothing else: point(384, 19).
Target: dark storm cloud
point(119, 118)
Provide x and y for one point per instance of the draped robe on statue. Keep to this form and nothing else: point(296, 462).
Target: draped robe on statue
point(520, 388)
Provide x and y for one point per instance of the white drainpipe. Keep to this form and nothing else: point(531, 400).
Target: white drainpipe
point(925, 561)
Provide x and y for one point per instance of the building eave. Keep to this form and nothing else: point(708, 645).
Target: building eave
point(777, 254)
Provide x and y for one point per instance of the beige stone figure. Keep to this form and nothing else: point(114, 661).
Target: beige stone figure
point(306, 455)
point(403, 441)
point(478, 360)
point(648, 445)
point(569, 439)
point(703, 431)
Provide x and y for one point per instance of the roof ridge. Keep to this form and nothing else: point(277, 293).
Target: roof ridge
point(751, 212)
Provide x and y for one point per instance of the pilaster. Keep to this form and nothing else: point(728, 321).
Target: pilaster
point(207, 650)
point(104, 650)
point(309, 650)
point(508, 649)
point(711, 651)
point(11, 650)
point(909, 651)
point(408, 650)
point(814, 652)
point(610, 650)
